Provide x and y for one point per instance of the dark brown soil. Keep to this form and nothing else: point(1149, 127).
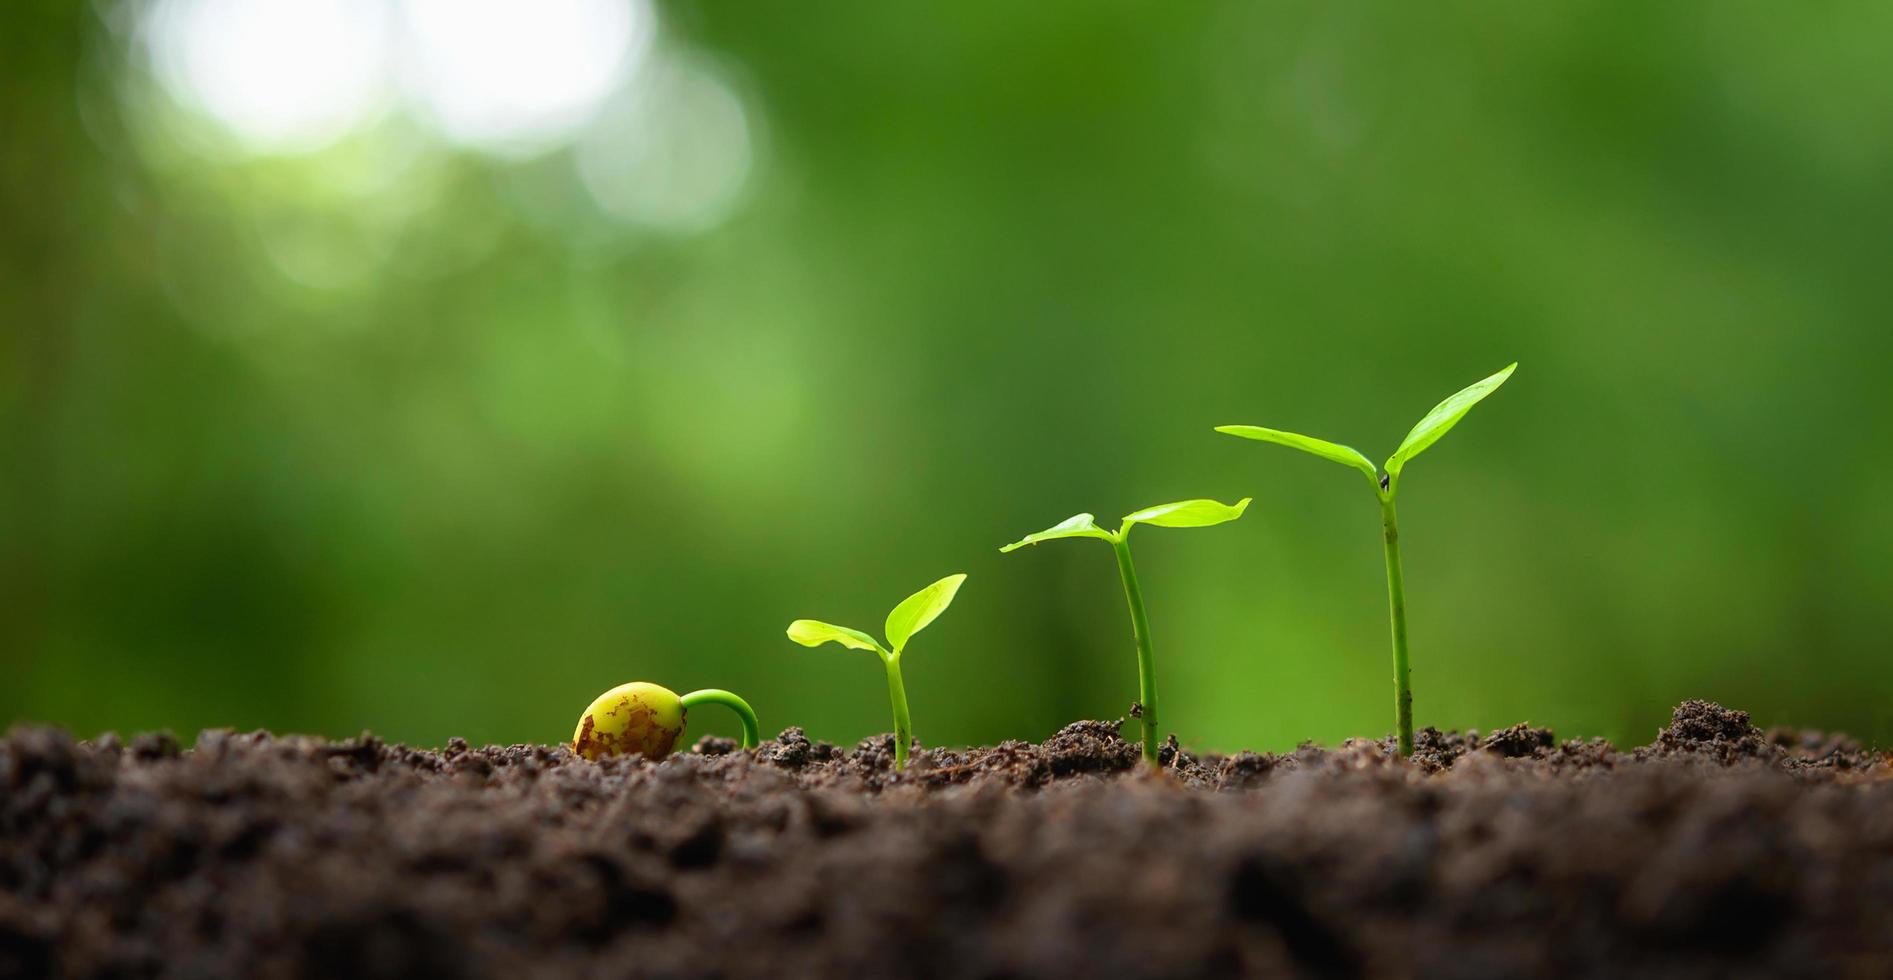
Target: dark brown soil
point(1715, 851)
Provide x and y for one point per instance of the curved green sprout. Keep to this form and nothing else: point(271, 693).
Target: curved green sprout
point(1183, 513)
point(1428, 431)
point(752, 729)
point(910, 617)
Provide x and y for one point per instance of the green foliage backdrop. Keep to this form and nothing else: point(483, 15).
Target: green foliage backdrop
point(399, 436)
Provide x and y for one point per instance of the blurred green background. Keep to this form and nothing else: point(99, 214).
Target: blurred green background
point(431, 368)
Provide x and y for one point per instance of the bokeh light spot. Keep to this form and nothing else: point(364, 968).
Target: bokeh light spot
point(284, 76)
point(673, 151)
point(519, 78)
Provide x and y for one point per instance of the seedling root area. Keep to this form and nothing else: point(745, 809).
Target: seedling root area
point(1716, 850)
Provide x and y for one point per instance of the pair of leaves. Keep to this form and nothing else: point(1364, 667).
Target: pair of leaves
point(1428, 431)
point(1183, 513)
point(910, 617)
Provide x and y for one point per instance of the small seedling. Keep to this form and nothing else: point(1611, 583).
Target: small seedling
point(910, 617)
point(646, 719)
point(1437, 423)
point(1183, 513)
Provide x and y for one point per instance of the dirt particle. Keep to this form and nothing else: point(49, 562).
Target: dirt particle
point(1244, 770)
point(1090, 747)
point(789, 750)
point(1704, 728)
point(1518, 742)
point(714, 745)
point(41, 753)
point(1433, 750)
point(151, 746)
point(1170, 753)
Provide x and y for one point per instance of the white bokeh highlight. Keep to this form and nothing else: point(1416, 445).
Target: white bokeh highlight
point(514, 77)
point(661, 139)
point(673, 152)
point(283, 76)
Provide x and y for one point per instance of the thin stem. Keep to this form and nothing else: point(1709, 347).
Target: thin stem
point(752, 730)
point(903, 723)
point(1397, 610)
point(1140, 627)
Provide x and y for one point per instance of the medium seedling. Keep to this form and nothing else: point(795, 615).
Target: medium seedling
point(641, 718)
point(1183, 513)
point(1386, 485)
point(910, 617)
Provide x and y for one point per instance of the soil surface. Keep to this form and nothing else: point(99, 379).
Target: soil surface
point(1716, 851)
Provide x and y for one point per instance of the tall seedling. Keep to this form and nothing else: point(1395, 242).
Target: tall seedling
point(1183, 513)
point(1386, 486)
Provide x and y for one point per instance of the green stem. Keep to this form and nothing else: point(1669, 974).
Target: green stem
point(1140, 626)
point(1397, 610)
point(752, 730)
point(903, 723)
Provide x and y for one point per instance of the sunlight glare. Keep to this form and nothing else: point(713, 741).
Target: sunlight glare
point(283, 76)
point(519, 78)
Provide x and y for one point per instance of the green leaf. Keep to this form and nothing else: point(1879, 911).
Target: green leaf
point(917, 610)
point(1443, 417)
point(1189, 513)
point(814, 633)
point(1345, 455)
point(1076, 526)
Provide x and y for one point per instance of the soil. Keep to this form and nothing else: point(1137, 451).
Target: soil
point(1715, 851)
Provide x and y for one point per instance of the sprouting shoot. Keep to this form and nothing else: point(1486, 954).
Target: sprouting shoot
point(641, 718)
point(1386, 486)
point(910, 617)
point(1183, 513)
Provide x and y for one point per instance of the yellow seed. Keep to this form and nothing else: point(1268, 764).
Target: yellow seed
point(638, 718)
